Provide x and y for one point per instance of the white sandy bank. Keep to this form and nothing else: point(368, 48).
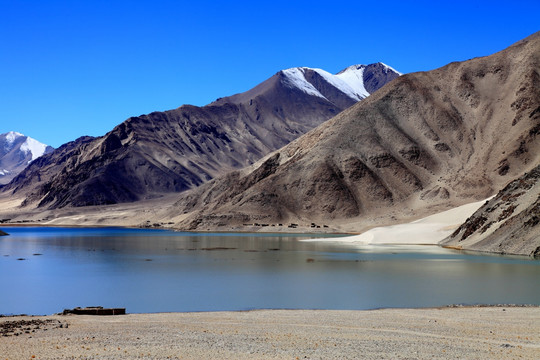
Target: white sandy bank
point(429, 230)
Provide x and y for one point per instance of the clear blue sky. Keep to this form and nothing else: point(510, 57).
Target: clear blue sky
point(72, 68)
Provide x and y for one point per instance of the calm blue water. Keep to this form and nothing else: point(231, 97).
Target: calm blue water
point(162, 271)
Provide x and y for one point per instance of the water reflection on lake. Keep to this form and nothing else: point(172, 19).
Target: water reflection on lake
point(161, 271)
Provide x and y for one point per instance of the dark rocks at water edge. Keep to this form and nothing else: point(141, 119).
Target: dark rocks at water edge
point(2, 233)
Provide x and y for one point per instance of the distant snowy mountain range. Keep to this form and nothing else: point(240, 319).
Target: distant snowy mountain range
point(16, 152)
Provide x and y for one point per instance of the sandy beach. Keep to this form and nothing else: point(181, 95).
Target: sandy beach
point(426, 231)
point(443, 333)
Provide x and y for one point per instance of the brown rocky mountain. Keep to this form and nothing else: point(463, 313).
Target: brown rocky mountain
point(426, 142)
point(16, 152)
point(162, 152)
point(508, 223)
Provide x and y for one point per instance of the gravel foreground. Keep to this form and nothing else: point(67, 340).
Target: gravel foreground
point(440, 333)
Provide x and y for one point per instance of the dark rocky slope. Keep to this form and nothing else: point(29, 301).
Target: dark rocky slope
point(42, 170)
point(426, 142)
point(172, 151)
point(509, 223)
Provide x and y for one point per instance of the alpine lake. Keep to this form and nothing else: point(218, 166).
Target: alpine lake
point(44, 270)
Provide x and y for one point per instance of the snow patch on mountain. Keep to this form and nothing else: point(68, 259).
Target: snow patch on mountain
point(295, 78)
point(350, 89)
point(349, 81)
point(354, 77)
point(11, 137)
point(25, 144)
point(34, 147)
point(391, 69)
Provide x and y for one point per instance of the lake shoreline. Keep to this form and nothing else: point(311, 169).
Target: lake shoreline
point(304, 231)
point(432, 229)
point(450, 306)
point(318, 235)
point(482, 331)
point(161, 271)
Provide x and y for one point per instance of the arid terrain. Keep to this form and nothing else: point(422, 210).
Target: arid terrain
point(442, 333)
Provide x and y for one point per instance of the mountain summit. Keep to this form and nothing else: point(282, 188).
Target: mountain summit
point(355, 82)
point(16, 152)
point(165, 152)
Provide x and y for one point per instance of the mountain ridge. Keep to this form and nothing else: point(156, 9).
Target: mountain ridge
point(172, 151)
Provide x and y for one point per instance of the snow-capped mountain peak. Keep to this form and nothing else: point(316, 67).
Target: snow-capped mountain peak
point(353, 68)
point(351, 81)
point(295, 78)
point(33, 147)
point(24, 143)
point(354, 77)
point(16, 152)
point(11, 137)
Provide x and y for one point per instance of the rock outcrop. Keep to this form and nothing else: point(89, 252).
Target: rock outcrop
point(509, 223)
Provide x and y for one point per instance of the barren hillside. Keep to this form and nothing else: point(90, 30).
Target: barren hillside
point(426, 142)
